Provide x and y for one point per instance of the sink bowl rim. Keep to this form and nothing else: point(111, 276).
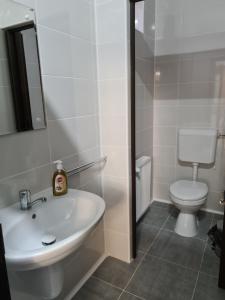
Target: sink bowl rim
point(41, 257)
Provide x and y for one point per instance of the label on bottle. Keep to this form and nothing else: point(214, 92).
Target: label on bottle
point(60, 183)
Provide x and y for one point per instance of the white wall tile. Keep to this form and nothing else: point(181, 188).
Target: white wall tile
point(74, 17)
point(29, 3)
point(118, 163)
point(111, 96)
point(55, 52)
point(114, 131)
point(164, 173)
point(59, 97)
point(23, 151)
point(85, 96)
point(165, 136)
point(67, 51)
point(111, 61)
point(165, 115)
point(118, 245)
point(107, 13)
point(165, 155)
point(117, 199)
point(83, 59)
point(35, 180)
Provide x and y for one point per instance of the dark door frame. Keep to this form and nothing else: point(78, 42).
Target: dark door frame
point(222, 259)
point(133, 138)
point(4, 282)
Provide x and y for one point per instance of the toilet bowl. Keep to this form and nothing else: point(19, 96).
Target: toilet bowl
point(188, 196)
point(196, 146)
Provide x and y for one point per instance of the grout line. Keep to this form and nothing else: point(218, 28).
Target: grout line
point(194, 238)
point(69, 35)
point(25, 171)
point(209, 275)
point(206, 243)
point(126, 292)
point(146, 254)
point(142, 259)
point(173, 263)
point(108, 283)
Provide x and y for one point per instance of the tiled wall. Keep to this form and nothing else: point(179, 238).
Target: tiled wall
point(113, 60)
point(86, 89)
point(66, 34)
point(68, 64)
point(189, 93)
point(144, 46)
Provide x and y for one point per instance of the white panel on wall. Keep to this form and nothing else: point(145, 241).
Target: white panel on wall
point(112, 51)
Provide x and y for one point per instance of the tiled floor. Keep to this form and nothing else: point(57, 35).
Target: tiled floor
point(167, 266)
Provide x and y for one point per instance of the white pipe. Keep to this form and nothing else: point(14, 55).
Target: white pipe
point(195, 171)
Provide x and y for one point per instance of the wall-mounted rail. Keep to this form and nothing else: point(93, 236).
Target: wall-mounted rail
point(221, 135)
point(86, 166)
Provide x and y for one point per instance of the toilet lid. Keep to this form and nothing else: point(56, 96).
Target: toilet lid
point(189, 190)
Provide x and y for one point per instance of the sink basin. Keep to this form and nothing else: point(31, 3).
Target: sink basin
point(64, 221)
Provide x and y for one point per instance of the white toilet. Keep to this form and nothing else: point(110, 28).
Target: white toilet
point(195, 146)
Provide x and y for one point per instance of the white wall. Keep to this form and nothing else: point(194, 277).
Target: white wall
point(189, 89)
point(113, 75)
point(189, 26)
point(144, 57)
point(87, 100)
point(68, 64)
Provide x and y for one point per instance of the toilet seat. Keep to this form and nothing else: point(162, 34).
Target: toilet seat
point(188, 191)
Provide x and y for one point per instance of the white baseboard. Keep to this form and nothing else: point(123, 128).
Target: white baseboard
point(85, 278)
point(212, 211)
point(162, 200)
point(203, 209)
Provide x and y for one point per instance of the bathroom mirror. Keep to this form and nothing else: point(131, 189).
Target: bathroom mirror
point(21, 96)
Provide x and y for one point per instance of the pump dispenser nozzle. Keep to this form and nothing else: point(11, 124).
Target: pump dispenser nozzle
point(59, 164)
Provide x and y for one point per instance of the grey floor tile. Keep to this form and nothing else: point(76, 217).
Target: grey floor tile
point(171, 222)
point(159, 280)
point(204, 219)
point(161, 204)
point(145, 235)
point(187, 252)
point(207, 289)
point(117, 272)
point(211, 262)
point(127, 296)
point(95, 289)
point(157, 215)
point(216, 217)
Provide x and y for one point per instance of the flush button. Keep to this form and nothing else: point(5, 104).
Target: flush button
point(48, 239)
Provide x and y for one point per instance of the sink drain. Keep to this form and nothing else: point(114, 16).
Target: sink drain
point(48, 239)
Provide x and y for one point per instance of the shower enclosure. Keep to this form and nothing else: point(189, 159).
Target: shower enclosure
point(177, 81)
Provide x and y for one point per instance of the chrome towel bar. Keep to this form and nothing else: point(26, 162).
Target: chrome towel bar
point(221, 135)
point(86, 166)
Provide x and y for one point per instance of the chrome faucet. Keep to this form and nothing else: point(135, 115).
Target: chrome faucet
point(25, 200)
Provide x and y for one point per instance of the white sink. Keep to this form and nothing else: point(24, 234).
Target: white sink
point(69, 219)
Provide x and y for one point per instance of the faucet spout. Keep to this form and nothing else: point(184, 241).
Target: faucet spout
point(25, 200)
point(42, 199)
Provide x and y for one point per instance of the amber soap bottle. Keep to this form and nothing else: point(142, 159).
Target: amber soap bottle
point(59, 180)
